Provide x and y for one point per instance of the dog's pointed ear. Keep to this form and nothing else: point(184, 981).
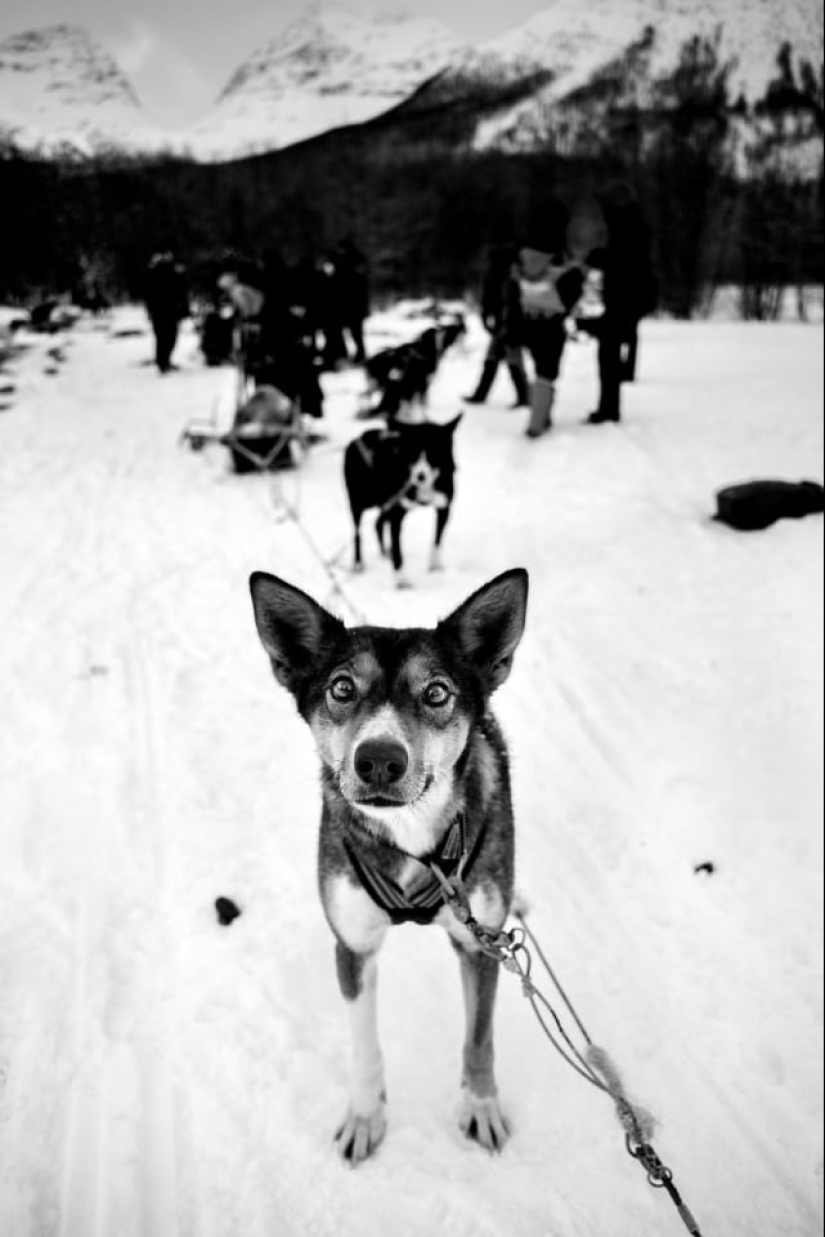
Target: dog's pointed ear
point(293, 628)
point(490, 624)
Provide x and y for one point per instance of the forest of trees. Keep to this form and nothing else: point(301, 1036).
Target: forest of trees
point(721, 183)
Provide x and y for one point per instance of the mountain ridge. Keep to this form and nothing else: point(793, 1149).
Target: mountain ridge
point(62, 93)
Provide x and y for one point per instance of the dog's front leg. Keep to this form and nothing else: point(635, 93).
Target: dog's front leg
point(379, 533)
point(357, 562)
point(481, 1117)
point(442, 515)
point(365, 1121)
point(395, 519)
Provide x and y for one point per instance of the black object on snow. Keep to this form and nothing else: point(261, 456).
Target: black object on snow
point(707, 868)
point(753, 505)
point(227, 910)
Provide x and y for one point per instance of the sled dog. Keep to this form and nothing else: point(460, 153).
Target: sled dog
point(397, 470)
point(414, 775)
point(402, 375)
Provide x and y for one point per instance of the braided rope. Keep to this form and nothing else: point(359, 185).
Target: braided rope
point(595, 1065)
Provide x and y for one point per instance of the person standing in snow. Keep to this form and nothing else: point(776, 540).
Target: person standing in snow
point(166, 304)
point(503, 326)
point(330, 311)
point(285, 359)
point(353, 290)
point(547, 285)
point(628, 292)
point(247, 302)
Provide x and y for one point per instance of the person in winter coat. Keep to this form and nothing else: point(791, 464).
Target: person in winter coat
point(166, 304)
point(353, 290)
point(246, 300)
point(628, 292)
point(505, 343)
point(284, 358)
point(547, 284)
point(330, 311)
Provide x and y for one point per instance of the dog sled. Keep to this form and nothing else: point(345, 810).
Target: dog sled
point(269, 427)
point(274, 400)
point(267, 433)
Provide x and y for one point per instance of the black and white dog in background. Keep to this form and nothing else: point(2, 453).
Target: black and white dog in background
point(402, 375)
point(397, 469)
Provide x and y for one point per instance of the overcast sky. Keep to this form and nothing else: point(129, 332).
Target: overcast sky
point(179, 54)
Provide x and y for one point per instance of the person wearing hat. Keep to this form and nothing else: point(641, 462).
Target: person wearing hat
point(166, 304)
point(547, 285)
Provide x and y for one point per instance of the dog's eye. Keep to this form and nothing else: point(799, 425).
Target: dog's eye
point(436, 695)
point(342, 689)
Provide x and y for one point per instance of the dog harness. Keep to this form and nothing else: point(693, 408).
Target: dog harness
point(422, 901)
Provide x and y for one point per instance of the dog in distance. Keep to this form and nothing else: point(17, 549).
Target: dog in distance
point(397, 470)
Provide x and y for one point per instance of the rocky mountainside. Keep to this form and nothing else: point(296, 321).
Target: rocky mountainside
point(579, 44)
point(60, 92)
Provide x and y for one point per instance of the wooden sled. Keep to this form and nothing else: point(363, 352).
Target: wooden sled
point(267, 433)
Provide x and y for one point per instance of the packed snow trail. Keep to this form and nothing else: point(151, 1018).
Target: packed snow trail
point(163, 1076)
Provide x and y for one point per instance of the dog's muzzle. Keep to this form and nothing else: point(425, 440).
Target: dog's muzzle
point(379, 765)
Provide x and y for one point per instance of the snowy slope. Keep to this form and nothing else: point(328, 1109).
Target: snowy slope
point(61, 91)
point(576, 41)
point(163, 1076)
point(329, 68)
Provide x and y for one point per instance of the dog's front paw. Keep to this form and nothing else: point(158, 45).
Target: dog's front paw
point(358, 1136)
point(481, 1119)
point(402, 581)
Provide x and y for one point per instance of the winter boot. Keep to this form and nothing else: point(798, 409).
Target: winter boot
point(485, 382)
point(541, 404)
point(520, 383)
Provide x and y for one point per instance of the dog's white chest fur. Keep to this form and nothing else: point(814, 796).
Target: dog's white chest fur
point(361, 924)
point(357, 920)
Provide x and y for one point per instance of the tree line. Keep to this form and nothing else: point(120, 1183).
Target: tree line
point(725, 188)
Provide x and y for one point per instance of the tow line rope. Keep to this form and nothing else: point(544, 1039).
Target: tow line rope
point(594, 1065)
point(291, 513)
point(287, 510)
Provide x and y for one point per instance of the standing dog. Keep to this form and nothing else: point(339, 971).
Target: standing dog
point(403, 374)
point(396, 470)
point(414, 775)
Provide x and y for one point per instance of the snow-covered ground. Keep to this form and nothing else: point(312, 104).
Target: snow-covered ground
point(164, 1076)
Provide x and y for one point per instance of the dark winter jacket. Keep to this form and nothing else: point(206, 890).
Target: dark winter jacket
point(494, 289)
point(166, 289)
point(629, 287)
point(353, 282)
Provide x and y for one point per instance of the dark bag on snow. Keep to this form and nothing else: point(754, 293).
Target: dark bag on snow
point(753, 505)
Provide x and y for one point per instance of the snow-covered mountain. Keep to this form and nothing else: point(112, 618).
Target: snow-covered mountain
point(331, 68)
point(61, 92)
point(328, 69)
point(576, 42)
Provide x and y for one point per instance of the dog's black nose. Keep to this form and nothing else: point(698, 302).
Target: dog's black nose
point(380, 762)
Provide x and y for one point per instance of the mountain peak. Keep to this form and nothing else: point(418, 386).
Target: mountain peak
point(334, 66)
point(62, 91)
point(329, 68)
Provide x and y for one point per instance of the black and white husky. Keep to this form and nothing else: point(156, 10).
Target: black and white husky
point(414, 775)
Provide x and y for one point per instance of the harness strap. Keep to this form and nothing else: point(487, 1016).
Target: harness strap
point(422, 902)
